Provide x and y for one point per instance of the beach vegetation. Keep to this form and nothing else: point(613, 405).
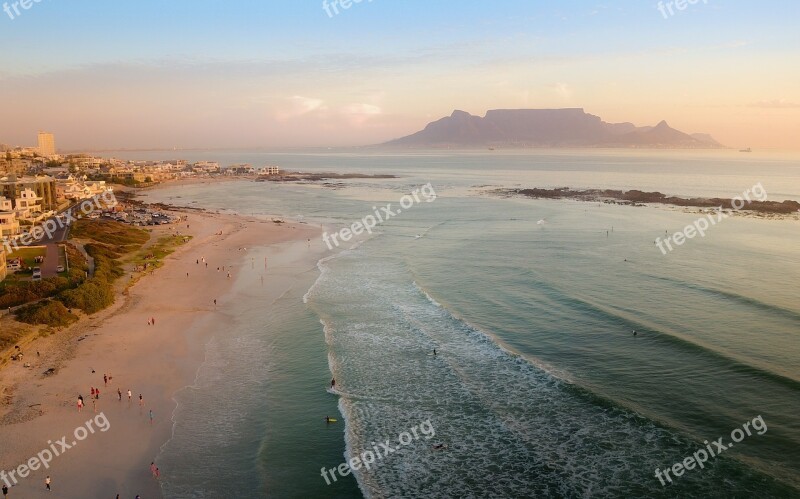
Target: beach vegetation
point(51, 313)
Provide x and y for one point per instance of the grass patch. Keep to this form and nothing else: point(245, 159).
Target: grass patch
point(28, 256)
point(154, 255)
point(124, 237)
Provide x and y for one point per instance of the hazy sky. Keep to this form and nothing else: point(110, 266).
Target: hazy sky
point(203, 73)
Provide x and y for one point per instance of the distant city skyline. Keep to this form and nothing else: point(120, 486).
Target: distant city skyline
point(145, 74)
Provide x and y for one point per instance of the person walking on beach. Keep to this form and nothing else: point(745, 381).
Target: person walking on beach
point(141, 400)
point(153, 469)
point(105, 379)
point(47, 483)
point(129, 396)
point(97, 393)
point(152, 416)
point(92, 393)
point(154, 320)
point(80, 403)
point(119, 394)
point(5, 490)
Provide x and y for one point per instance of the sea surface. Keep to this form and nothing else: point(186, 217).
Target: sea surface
point(538, 387)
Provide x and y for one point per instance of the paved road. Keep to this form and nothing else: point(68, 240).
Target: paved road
point(50, 265)
point(51, 260)
point(60, 234)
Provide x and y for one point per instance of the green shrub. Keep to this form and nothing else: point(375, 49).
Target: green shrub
point(91, 296)
point(96, 293)
point(50, 313)
point(22, 292)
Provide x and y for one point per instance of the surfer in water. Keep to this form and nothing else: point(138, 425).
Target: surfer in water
point(333, 384)
point(438, 447)
point(329, 420)
point(434, 352)
point(634, 332)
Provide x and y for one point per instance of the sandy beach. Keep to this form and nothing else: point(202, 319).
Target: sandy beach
point(111, 451)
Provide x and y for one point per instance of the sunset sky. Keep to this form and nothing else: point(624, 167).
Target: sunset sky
point(202, 73)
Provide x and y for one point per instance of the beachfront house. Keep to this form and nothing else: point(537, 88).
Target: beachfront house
point(28, 205)
point(97, 187)
point(9, 225)
point(71, 189)
point(269, 170)
point(240, 170)
point(205, 167)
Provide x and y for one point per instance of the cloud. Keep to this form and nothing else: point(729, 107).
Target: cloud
point(298, 105)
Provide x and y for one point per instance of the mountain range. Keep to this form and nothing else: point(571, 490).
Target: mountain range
point(521, 128)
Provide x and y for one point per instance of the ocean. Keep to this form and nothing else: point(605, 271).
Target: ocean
point(538, 387)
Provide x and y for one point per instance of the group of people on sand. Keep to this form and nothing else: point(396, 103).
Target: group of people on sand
point(95, 395)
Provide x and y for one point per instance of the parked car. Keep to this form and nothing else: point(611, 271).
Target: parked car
point(37, 274)
point(60, 269)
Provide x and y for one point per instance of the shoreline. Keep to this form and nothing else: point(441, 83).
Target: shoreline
point(156, 361)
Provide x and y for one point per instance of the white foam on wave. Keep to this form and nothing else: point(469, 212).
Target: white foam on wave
point(511, 423)
point(499, 343)
point(323, 269)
